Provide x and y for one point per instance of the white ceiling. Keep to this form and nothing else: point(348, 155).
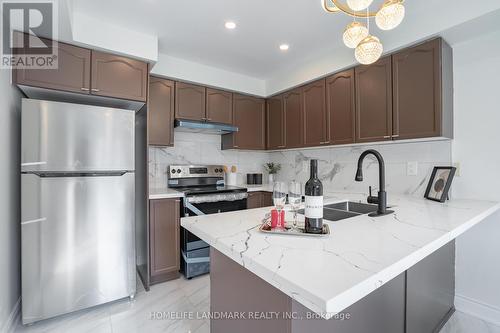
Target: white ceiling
point(194, 30)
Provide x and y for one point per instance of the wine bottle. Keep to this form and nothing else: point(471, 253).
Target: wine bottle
point(314, 202)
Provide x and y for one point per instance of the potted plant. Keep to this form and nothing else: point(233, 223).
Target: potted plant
point(272, 168)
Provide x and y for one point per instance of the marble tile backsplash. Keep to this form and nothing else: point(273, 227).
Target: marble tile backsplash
point(197, 148)
point(337, 165)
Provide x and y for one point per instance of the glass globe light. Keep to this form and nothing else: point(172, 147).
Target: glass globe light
point(354, 33)
point(390, 15)
point(369, 50)
point(358, 5)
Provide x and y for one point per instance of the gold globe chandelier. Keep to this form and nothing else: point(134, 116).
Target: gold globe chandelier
point(368, 48)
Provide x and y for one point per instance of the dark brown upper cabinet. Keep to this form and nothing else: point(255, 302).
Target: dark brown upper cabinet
point(340, 104)
point(374, 101)
point(119, 77)
point(249, 115)
point(219, 106)
point(72, 74)
point(275, 123)
point(316, 124)
point(293, 109)
point(190, 102)
point(422, 92)
point(164, 233)
point(161, 112)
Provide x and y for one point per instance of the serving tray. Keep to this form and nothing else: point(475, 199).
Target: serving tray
point(265, 227)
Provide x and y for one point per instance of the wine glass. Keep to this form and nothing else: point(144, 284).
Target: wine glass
point(295, 199)
point(279, 199)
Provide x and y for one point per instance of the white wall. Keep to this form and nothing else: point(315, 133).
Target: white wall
point(476, 148)
point(97, 34)
point(10, 115)
point(185, 70)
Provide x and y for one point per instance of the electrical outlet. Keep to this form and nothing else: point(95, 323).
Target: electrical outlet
point(412, 168)
point(457, 172)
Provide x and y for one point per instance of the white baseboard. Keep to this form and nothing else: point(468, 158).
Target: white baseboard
point(11, 322)
point(478, 309)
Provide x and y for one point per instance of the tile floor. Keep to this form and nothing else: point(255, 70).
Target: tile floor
point(127, 316)
point(180, 295)
point(463, 323)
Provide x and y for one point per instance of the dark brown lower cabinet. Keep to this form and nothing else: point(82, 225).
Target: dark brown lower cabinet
point(164, 244)
point(259, 199)
point(267, 199)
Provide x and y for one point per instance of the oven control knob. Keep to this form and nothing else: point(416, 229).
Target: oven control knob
point(178, 170)
point(217, 170)
point(173, 170)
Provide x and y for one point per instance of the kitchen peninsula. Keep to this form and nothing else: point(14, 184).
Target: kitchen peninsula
point(392, 273)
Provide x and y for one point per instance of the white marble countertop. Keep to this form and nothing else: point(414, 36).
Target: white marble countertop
point(360, 255)
point(166, 193)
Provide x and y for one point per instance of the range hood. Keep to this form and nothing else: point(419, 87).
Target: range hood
point(203, 127)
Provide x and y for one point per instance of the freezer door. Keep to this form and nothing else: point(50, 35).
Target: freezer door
point(67, 137)
point(77, 236)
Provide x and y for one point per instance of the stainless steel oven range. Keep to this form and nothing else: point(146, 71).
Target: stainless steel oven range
point(204, 193)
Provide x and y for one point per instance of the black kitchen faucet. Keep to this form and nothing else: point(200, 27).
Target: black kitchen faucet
point(381, 198)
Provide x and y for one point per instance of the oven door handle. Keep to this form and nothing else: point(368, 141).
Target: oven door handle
point(192, 208)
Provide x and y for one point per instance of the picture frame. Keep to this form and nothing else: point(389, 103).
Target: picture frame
point(439, 183)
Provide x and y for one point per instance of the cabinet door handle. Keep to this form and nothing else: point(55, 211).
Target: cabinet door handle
point(387, 136)
point(84, 89)
point(395, 136)
point(209, 119)
point(281, 146)
point(94, 89)
point(324, 142)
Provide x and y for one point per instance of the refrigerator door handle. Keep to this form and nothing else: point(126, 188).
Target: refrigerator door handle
point(33, 163)
point(46, 174)
point(34, 221)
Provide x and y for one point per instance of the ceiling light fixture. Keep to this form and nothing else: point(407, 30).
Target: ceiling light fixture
point(284, 47)
point(390, 15)
point(358, 5)
point(369, 50)
point(230, 25)
point(356, 35)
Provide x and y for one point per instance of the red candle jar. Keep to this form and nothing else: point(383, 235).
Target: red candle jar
point(275, 219)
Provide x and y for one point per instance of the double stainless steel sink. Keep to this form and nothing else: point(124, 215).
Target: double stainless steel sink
point(344, 210)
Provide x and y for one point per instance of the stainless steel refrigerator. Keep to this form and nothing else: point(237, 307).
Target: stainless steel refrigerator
point(77, 207)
